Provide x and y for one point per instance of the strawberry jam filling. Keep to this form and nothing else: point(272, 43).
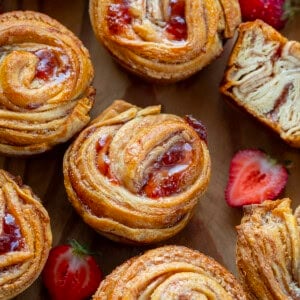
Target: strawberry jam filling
point(198, 127)
point(102, 158)
point(47, 65)
point(176, 26)
point(11, 237)
point(118, 16)
point(168, 173)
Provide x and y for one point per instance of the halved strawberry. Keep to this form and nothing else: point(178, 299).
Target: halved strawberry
point(254, 177)
point(71, 273)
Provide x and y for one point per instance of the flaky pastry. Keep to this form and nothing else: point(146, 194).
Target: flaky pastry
point(164, 40)
point(135, 174)
point(45, 77)
point(263, 77)
point(170, 272)
point(268, 251)
point(25, 236)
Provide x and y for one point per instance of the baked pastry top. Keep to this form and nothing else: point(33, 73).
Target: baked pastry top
point(135, 174)
point(45, 83)
point(263, 77)
point(268, 251)
point(164, 41)
point(25, 236)
point(170, 272)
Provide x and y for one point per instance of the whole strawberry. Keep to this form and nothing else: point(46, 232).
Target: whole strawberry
point(272, 12)
point(71, 273)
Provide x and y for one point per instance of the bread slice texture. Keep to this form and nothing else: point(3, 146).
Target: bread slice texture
point(263, 77)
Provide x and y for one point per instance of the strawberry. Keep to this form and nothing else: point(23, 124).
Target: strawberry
point(273, 12)
point(71, 273)
point(253, 178)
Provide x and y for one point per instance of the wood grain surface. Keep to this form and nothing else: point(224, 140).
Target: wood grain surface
point(212, 229)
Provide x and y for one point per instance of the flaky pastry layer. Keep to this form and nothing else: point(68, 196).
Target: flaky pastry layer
point(45, 83)
point(144, 46)
point(170, 272)
point(112, 199)
point(263, 77)
point(268, 251)
point(20, 268)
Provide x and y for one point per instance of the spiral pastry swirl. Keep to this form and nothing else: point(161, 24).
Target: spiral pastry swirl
point(135, 175)
point(25, 236)
point(164, 40)
point(170, 272)
point(268, 251)
point(263, 77)
point(45, 77)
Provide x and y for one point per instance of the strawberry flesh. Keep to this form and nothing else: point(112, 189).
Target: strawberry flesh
point(253, 178)
point(270, 11)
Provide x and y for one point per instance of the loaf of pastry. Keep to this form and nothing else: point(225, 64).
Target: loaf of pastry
point(135, 175)
point(25, 236)
point(170, 272)
point(164, 41)
point(263, 77)
point(45, 83)
point(268, 251)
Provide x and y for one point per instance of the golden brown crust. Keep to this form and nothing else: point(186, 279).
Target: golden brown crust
point(268, 251)
point(20, 268)
point(297, 215)
point(170, 272)
point(144, 48)
point(232, 16)
point(262, 78)
point(138, 138)
point(45, 77)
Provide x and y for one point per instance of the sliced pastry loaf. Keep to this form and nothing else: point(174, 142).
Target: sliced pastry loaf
point(263, 76)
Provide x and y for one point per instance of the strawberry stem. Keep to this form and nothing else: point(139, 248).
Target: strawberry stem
point(78, 249)
point(291, 7)
point(272, 161)
point(288, 163)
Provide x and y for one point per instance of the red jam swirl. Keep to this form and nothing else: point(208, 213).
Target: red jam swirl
point(273, 114)
point(11, 237)
point(167, 176)
point(118, 16)
point(198, 127)
point(103, 161)
point(177, 26)
point(47, 65)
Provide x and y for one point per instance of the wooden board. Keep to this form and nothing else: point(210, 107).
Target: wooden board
point(212, 229)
